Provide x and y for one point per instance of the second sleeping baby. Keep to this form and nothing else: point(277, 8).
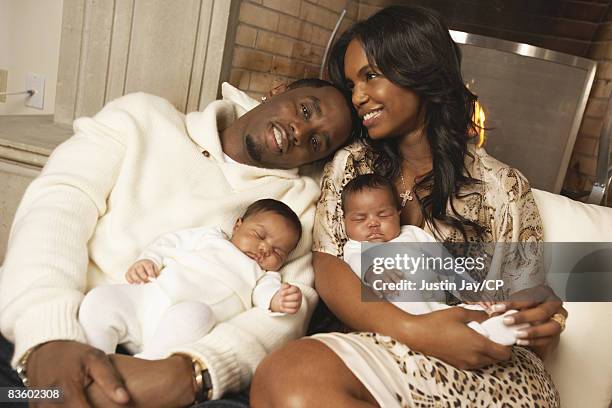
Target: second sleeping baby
point(198, 276)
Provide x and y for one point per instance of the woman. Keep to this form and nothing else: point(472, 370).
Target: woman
point(403, 70)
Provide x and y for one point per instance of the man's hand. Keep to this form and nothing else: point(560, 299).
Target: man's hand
point(166, 383)
point(287, 300)
point(142, 271)
point(72, 367)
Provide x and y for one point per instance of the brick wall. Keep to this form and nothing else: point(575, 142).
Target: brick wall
point(283, 40)
point(561, 25)
point(582, 167)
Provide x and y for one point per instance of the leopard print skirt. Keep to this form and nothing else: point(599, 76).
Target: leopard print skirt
point(399, 377)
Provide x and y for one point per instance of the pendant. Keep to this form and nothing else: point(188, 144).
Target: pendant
point(406, 196)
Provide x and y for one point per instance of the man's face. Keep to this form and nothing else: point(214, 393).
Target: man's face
point(295, 128)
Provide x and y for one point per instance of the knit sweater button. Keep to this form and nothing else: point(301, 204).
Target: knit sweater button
point(205, 153)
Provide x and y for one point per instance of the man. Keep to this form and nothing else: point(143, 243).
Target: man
point(135, 170)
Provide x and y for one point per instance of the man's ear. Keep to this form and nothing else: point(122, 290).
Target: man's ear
point(237, 225)
point(278, 88)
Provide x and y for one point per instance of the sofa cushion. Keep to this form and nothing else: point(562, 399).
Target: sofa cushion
point(566, 220)
point(582, 364)
point(581, 367)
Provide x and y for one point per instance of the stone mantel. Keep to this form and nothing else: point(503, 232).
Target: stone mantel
point(29, 139)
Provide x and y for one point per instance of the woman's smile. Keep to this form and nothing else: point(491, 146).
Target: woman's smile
point(372, 118)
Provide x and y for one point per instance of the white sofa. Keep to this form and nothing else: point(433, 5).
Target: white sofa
point(582, 365)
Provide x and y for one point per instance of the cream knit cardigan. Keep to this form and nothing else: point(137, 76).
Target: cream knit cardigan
point(136, 170)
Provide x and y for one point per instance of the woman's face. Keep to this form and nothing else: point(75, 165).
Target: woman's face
point(386, 109)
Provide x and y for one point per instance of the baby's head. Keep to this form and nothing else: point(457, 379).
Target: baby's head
point(267, 232)
point(371, 209)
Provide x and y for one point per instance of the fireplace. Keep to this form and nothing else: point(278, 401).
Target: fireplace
point(533, 99)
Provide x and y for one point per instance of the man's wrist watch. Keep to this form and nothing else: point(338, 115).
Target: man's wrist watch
point(22, 365)
point(202, 380)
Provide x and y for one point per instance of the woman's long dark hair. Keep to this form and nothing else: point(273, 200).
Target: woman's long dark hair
point(413, 49)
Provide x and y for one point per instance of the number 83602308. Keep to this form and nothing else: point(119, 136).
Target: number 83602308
point(23, 394)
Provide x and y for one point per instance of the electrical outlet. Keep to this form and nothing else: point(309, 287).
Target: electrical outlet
point(3, 83)
point(36, 83)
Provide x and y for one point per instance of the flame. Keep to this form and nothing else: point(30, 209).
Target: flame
point(479, 118)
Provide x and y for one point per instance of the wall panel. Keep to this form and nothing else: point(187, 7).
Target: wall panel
point(175, 50)
point(161, 49)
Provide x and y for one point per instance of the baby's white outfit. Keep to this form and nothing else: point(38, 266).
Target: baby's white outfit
point(204, 279)
point(429, 301)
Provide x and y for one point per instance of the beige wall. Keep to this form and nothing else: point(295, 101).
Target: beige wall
point(4, 40)
point(283, 40)
point(29, 42)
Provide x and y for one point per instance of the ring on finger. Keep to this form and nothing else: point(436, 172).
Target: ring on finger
point(560, 319)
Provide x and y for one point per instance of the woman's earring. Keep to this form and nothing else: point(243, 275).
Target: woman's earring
point(264, 99)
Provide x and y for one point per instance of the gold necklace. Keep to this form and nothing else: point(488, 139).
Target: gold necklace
point(407, 194)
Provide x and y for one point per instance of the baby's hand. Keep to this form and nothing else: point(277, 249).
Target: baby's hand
point(287, 300)
point(142, 271)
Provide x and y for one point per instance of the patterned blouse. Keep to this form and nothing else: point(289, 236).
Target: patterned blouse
point(503, 206)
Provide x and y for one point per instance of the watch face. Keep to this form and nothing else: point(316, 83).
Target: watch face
point(21, 367)
point(21, 372)
point(208, 387)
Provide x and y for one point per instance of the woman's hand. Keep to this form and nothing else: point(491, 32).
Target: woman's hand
point(72, 367)
point(536, 306)
point(444, 334)
point(151, 383)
